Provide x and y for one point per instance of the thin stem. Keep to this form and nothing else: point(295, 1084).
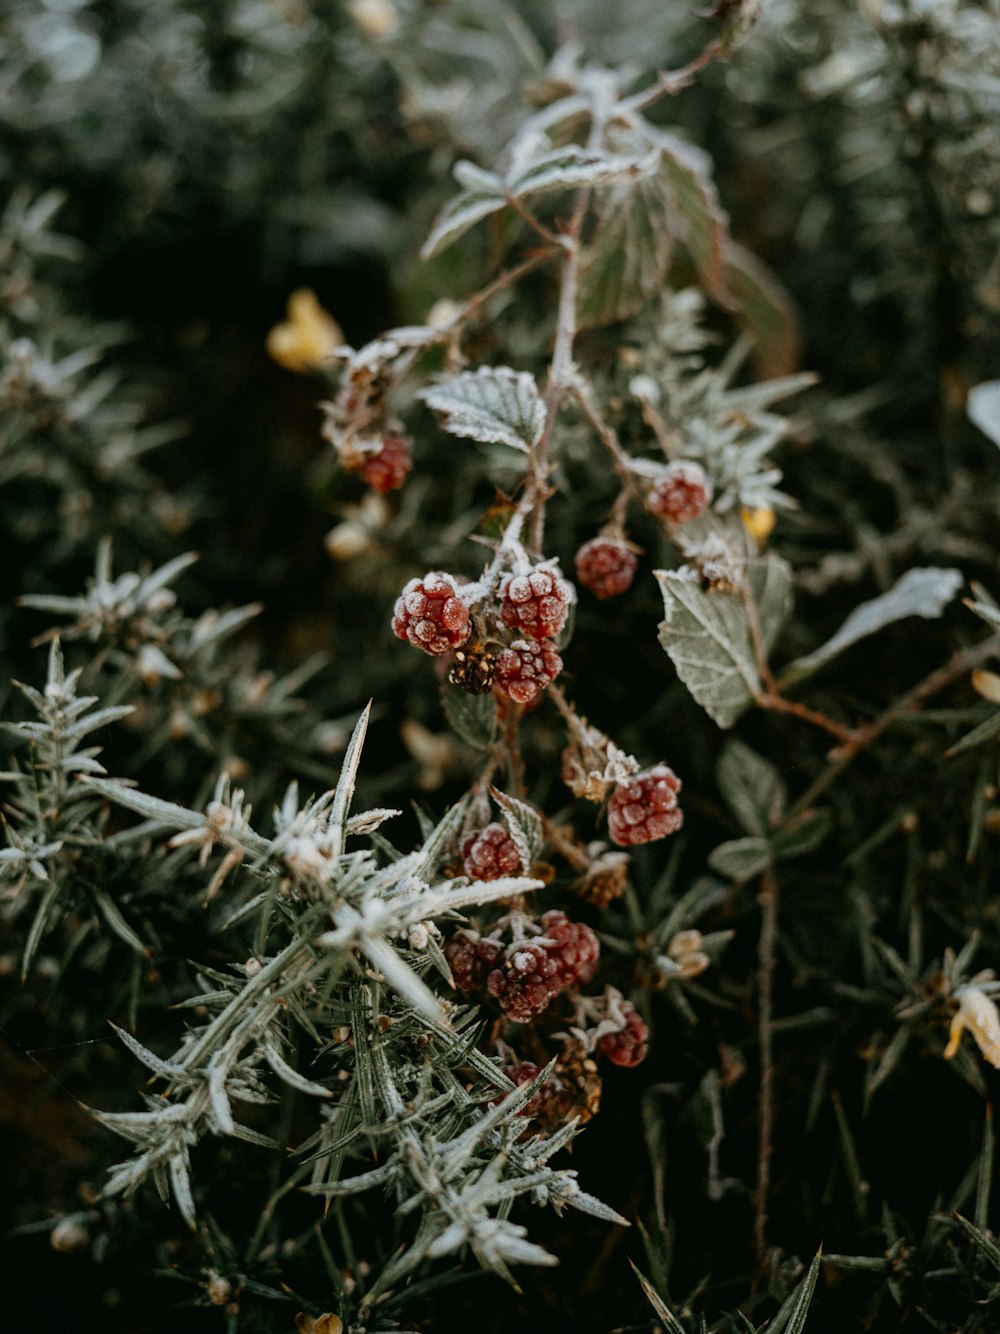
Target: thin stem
point(778, 704)
point(670, 82)
point(768, 900)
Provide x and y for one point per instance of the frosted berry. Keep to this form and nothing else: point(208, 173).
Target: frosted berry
point(491, 854)
point(471, 959)
point(574, 948)
point(430, 615)
point(523, 1072)
point(535, 603)
point(524, 670)
point(606, 566)
point(629, 1045)
point(645, 808)
point(681, 493)
point(388, 469)
point(527, 981)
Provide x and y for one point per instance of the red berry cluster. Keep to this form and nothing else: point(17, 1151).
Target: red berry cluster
point(681, 493)
point(645, 808)
point(430, 615)
point(574, 947)
point(527, 981)
point(524, 670)
point(491, 854)
point(471, 958)
point(523, 1072)
point(627, 1047)
point(536, 604)
point(606, 566)
point(388, 469)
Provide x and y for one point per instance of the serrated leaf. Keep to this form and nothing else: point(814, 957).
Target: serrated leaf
point(473, 718)
point(708, 638)
point(628, 257)
point(765, 311)
point(494, 404)
point(458, 215)
point(983, 408)
point(752, 788)
point(525, 825)
point(920, 592)
point(698, 219)
point(741, 858)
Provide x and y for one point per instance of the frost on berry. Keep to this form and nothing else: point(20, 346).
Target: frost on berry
point(523, 670)
point(527, 981)
point(606, 566)
point(644, 808)
point(430, 615)
point(471, 958)
point(680, 493)
point(629, 1045)
point(536, 604)
point(573, 946)
point(388, 469)
point(491, 855)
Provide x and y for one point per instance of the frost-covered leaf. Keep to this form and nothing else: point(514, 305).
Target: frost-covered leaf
point(494, 404)
point(525, 825)
point(921, 592)
point(473, 718)
point(461, 213)
point(983, 408)
point(708, 638)
point(670, 1321)
point(741, 858)
point(627, 259)
point(765, 311)
point(572, 166)
point(752, 788)
point(698, 219)
point(802, 835)
point(791, 1319)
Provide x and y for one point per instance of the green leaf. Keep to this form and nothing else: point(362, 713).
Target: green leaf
point(791, 1319)
point(698, 219)
point(628, 257)
point(471, 717)
point(801, 836)
point(983, 409)
point(524, 823)
point(482, 195)
point(765, 311)
point(708, 638)
point(493, 404)
point(670, 1321)
point(741, 858)
point(989, 728)
point(752, 788)
point(573, 166)
point(920, 592)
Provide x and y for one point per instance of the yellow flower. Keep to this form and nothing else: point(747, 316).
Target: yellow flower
point(303, 342)
point(759, 523)
point(978, 1013)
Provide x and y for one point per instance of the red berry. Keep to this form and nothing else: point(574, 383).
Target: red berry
point(523, 1072)
point(681, 493)
point(388, 469)
point(606, 566)
point(574, 947)
point(645, 808)
point(535, 603)
point(491, 854)
point(526, 982)
point(471, 958)
point(525, 669)
point(430, 615)
point(628, 1046)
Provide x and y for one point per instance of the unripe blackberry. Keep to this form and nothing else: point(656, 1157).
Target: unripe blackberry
point(523, 1072)
point(627, 1047)
point(430, 615)
point(606, 566)
point(575, 948)
point(490, 855)
point(524, 670)
point(526, 982)
point(681, 493)
point(644, 808)
point(535, 603)
point(471, 958)
point(388, 469)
